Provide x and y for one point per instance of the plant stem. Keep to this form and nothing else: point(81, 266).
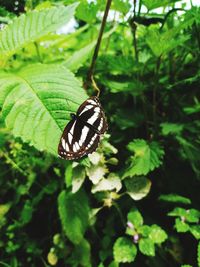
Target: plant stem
point(120, 213)
point(96, 51)
point(133, 26)
point(13, 164)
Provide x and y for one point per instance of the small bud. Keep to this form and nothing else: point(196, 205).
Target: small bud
point(136, 238)
point(130, 225)
point(182, 218)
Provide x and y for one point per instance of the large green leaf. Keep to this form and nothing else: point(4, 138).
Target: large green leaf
point(157, 234)
point(87, 11)
point(135, 217)
point(82, 254)
point(138, 187)
point(162, 43)
point(36, 103)
point(74, 213)
point(124, 250)
point(146, 246)
point(147, 157)
point(28, 28)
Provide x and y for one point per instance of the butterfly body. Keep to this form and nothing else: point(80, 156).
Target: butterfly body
point(82, 134)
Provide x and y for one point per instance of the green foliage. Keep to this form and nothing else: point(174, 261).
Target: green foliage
point(162, 43)
point(30, 27)
point(147, 167)
point(174, 198)
point(187, 221)
point(150, 4)
point(138, 187)
point(146, 157)
point(36, 105)
point(124, 250)
point(73, 211)
point(146, 236)
point(87, 12)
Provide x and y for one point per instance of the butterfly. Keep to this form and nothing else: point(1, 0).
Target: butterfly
point(82, 134)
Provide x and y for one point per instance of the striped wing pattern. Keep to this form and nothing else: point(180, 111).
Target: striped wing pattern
point(82, 134)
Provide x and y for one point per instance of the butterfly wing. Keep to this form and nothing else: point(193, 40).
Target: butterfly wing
point(92, 113)
point(82, 134)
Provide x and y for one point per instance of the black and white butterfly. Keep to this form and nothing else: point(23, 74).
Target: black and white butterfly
point(82, 134)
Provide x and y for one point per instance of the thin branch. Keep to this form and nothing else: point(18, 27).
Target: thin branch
point(140, 6)
point(96, 51)
point(133, 26)
point(169, 13)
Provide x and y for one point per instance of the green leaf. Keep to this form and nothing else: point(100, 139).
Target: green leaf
point(146, 157)
point(152, 4)
point(27, 212)
point(113, 264)
point(81, 254)
point(124, 250)
point(122, 6)
point(195, 231)
point(189, 215)
point(181, 226)
point(135, 217)
point(144, 230)
point(192, 109)
point(4, 208)
point(87, 11)
point(68, 174)
point(134, 88)
point(186, 265)
point(74, 214)
point(177, 212)
point(78, 178)
point(79, 57)
point(112, 182)
point(137, 187)
point(157, 234)
point(96, 173)
point(36, 103)
point(162, 43)
point(174, 198)
point(35, 24)
point(171, 128)
point(146, 246)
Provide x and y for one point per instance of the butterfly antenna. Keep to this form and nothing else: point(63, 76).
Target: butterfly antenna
point(95, 86)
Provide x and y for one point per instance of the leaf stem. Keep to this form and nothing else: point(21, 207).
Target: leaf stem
point(120, 213)
point(90, 78)
point(38, 52)
point(13, 164)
